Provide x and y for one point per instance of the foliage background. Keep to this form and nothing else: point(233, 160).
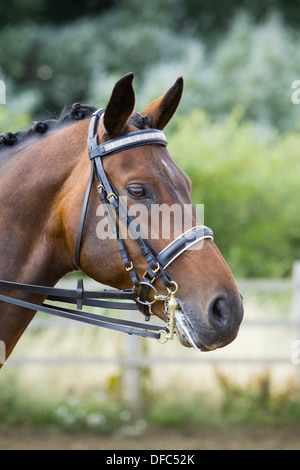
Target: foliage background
point(237, 131)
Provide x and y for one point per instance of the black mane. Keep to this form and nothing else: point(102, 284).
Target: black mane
point(77, 112)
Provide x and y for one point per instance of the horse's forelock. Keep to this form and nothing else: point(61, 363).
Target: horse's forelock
point(141, 121)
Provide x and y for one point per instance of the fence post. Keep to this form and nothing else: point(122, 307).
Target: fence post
point(131, 376)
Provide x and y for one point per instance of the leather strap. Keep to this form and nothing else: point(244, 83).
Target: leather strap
point(79, 296)
point(134, 139)
point(82, 217)
point(182, 243)
point(125, 326)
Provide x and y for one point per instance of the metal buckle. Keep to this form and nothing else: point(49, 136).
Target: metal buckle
point(156, 269)
point(111, 195)
point(129, 268)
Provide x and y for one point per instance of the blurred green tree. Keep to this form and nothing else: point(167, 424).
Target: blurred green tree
point(247, 178)
point(42, 11)
point(238, 63)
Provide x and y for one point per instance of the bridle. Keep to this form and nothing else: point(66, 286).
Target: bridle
point(116, 209)
point(114, 205)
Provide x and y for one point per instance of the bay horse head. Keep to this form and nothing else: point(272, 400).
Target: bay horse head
point(209, 305)
point(42, 242)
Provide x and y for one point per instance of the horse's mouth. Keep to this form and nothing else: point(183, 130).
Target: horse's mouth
point(186, 333)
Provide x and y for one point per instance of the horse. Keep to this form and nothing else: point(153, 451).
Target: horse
point(43, 188)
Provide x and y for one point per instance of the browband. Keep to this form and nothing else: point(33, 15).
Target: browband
point(134, 139)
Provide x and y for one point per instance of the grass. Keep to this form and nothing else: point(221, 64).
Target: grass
point(102, 413)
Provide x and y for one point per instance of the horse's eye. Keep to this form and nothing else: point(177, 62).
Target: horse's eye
point(136, 191)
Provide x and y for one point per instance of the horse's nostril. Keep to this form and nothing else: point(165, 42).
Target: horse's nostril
point(216, 311)
point(225, 312)
point(219, 312)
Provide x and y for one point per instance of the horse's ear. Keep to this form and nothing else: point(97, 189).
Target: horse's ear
point(120, 106)
point(161, 110)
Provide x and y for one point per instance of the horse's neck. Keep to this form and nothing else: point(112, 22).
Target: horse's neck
point(29, 185)
point(33, 247)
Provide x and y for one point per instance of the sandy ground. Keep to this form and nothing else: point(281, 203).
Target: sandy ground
point(247, 438)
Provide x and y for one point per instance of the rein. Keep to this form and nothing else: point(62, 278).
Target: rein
point(156, 262)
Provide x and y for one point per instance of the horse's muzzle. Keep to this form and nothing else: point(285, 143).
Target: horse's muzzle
point(214, 328)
